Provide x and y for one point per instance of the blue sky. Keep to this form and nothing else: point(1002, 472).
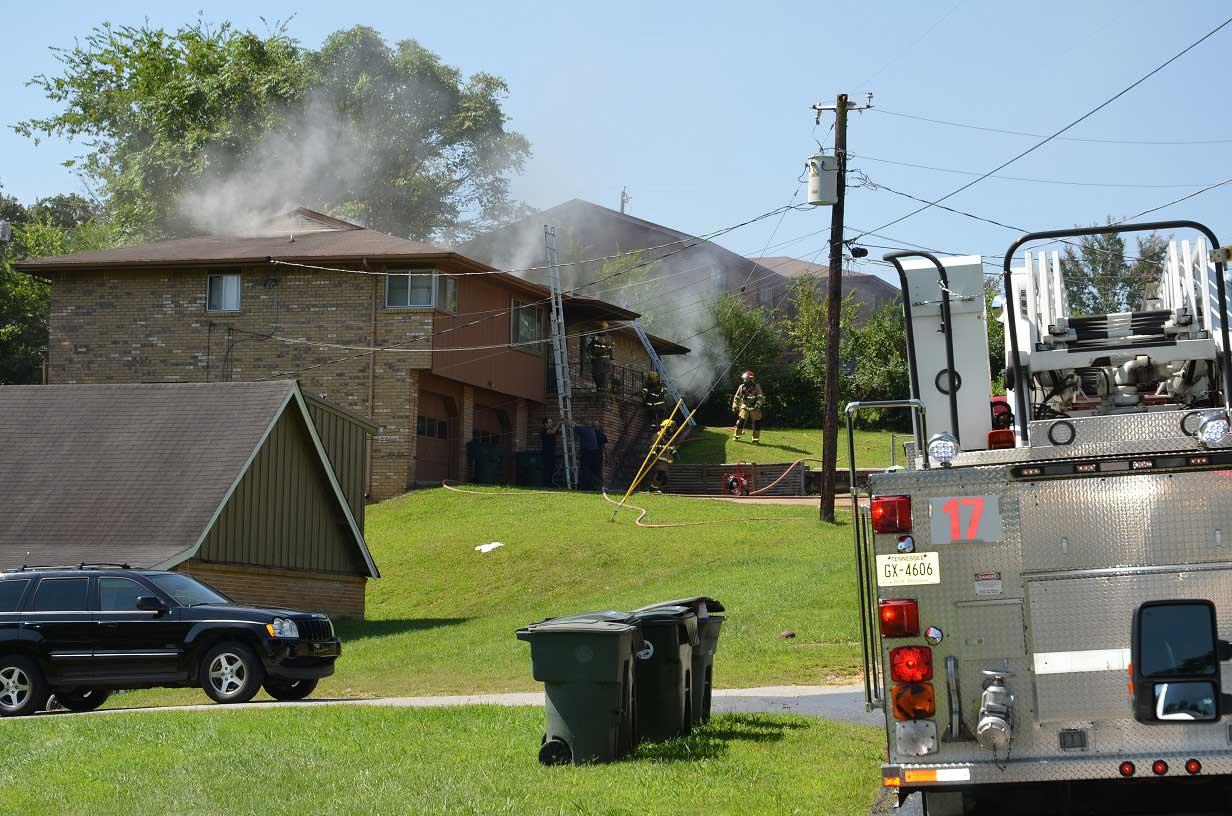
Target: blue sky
point(702, 109)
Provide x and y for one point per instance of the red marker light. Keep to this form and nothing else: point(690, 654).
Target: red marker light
point(911, 664)
point(898, 618)
point(1127, 769)
point(913, 701)
point(1193, 767)
point(1159, 767)
point(1001, 439)
point(891, 514)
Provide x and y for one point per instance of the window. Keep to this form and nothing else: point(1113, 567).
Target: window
point(487, 437)
point(10, 594)
point(119, 594)
point(409, 289)
point(447, 294)
point(61, 595)
point(223, 293)
point(527, 325)
point(188, 591)
point(432, 428)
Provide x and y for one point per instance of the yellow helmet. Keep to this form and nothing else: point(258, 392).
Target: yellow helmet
point(653, 376)
point(603, 325)
point(667, 424)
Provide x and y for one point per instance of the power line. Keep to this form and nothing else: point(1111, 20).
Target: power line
point(1155, 142)
point(1072, 124)
point(1021, 178)
point(904, 51)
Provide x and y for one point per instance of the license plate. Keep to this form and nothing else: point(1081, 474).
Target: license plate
point(908, 569)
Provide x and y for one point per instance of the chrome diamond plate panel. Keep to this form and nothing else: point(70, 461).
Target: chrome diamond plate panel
point(1115, 428)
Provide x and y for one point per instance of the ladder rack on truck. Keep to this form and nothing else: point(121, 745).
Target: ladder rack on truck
point(1040, 552)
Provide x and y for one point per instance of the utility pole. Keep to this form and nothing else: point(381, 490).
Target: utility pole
point(834, 304)
point(625, 198)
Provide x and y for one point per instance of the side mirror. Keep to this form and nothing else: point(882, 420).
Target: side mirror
point(1175, 656)
point(151, 603)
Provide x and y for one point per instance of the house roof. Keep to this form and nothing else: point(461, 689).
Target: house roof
point(794, 268)
point(132, 473)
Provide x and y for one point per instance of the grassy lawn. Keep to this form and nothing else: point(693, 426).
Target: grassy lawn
point(715, 445)
point(441, 620)
point(477, 760)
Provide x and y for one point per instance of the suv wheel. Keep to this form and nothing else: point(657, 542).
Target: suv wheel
point(82, 699)
point(23, 688)
point(289, 689)
point(231, 673)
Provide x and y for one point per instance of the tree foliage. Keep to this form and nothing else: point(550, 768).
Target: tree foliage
point(1099, 279)
point(51, 226)
point(390, 135)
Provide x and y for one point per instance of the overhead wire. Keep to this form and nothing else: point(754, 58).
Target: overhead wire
point(1045, 140)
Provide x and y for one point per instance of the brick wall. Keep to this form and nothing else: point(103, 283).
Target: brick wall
point(152, 326)
point(339, 596)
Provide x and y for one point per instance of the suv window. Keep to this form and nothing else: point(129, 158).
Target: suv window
point(10, 594)
point(188, 591)
point(119, 594)
point(61, 595)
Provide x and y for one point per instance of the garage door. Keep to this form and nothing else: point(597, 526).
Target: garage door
point(437, 438)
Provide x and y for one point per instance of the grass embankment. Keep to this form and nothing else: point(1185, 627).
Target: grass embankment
point(477, 760)
point(715, 446)
point(441, 620)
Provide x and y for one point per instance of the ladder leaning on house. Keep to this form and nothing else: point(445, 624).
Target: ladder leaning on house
point(659, 367)
point(560, 360)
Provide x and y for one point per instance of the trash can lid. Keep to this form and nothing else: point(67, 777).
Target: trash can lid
point(562, 626)
point(702, 605)
point(598, 615)
point(663, 613)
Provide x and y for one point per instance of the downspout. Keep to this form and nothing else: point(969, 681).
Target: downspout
point(371, 383)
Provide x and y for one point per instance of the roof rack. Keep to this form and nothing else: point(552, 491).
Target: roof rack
point(80, 566)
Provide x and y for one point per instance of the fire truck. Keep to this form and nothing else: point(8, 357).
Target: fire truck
point(1043, 584)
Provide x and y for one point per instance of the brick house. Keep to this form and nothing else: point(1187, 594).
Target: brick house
point(432, 347)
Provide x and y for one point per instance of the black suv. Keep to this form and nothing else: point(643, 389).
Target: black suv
point(81, 632)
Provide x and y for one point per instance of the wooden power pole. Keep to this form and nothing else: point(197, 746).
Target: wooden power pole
point(834, 305)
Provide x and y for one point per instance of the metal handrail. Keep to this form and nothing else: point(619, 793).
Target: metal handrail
point(864, 572)
point(1022, 417)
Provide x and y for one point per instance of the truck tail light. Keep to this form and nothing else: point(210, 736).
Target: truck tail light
point(911, 664)
point(898, 618)
point(914, 701)
point(891, 514)
point(1001, 439)
point(1193, 767)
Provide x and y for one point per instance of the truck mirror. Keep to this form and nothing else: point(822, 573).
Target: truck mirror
point(1175, 654)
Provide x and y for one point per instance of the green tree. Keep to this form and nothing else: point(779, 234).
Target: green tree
point(1099, 279)
point(50, 226)
point(390, 135)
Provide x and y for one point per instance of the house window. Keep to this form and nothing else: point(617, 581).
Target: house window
point(447, 293)
point(432, 428)
point(223, 293)
point(527, 324)
point(409, 289)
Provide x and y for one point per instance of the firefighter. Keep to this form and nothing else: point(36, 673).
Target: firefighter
point(747, 403)
point(654, 398)
point(599, 348)
point(663, 455)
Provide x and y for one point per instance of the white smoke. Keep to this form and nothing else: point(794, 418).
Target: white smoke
point(310, 159)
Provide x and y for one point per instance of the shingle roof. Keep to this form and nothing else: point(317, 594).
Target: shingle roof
point(124, 473)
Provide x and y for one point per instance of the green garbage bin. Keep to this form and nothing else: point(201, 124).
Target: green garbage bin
point(708, 625)
point(664, 674)
point(530, 468)
point(586, 667)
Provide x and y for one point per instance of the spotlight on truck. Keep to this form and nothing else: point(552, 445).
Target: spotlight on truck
point(943, 448)
point(1214, 430)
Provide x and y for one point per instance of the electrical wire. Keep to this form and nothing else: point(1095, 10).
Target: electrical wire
point(902, 52)
point(1072, 124)
point(1154, 142)
point(867, 157)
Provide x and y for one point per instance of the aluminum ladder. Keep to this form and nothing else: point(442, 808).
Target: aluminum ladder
point(659, 367)
point(560, 360)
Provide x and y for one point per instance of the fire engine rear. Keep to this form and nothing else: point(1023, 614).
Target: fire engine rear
point(1042, 587)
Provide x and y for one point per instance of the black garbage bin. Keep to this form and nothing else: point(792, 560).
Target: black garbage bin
point(529, 468)
point(664, 671)
point(708, 625)
point(586, 666)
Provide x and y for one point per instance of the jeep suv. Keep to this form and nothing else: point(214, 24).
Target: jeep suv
point(82, 632)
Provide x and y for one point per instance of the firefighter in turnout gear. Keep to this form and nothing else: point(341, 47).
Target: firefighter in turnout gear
point(599, 349)
point(747, 403)
point(663, 455)
point(654, 397)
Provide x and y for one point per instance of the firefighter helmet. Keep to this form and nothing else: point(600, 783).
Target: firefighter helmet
point(747, 376)
point(653, 376)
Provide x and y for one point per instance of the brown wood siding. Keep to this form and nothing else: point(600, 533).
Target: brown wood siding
point(339, 596)
point(516, 372)
point(283, 512)
point(346, 445)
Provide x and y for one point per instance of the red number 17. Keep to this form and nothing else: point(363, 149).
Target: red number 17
point(953, 509)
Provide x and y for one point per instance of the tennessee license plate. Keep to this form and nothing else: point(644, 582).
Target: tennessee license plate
point(907, 569)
